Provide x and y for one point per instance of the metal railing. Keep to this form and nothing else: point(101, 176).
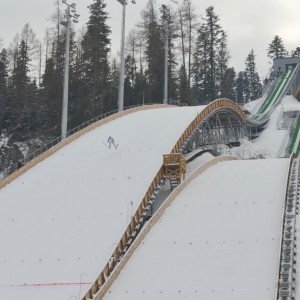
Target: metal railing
point(283, 151)
point(206, 113)
point(287, 263)
point(265, 96)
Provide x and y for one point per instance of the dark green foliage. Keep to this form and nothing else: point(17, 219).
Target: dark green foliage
point(222, 66)
point(154, 54)
point(210, 59)
point(241, 87)
point(4, 100)
point(50, 114)
point(254, 85)
point(200, 68)
point(228, 84)
point(96, 46)
point(296, 52)
point(276, 48)
point(184, 94)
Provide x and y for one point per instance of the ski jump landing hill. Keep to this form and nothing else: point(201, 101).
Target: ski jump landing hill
point(75, 223)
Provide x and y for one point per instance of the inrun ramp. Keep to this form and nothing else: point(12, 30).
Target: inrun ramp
point(218, 240)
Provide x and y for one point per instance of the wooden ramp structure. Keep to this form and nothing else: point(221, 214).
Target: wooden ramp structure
point(174, 168)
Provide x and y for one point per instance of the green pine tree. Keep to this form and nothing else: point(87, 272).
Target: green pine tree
point(96, 47)
point(277, 49)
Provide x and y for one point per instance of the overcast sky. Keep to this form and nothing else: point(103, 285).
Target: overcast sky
point(250, 24)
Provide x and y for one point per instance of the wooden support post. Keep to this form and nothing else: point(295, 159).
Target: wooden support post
point(174, 168)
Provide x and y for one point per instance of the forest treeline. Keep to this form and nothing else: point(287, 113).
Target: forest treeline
point(31, 71)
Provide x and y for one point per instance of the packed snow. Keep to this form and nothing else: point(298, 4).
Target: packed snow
point(61, 220)
point(218, 240)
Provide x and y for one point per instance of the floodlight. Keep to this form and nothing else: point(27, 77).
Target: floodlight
point(73, 5)
point(133, 1)
point(64, 1)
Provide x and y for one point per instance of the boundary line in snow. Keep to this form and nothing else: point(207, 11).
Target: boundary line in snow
point(46, 284)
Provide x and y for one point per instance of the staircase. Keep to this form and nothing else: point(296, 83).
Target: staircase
point(174, 168)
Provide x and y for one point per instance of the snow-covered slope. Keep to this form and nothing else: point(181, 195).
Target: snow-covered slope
point(219, 239)
point(60, 221)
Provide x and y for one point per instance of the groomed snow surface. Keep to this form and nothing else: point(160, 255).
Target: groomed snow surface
point(219, 240)
point(61, 220)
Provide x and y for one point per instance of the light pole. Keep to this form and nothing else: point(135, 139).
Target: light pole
point(165, 11)
point(182, 34)
point(122, 63)
point(70, 12)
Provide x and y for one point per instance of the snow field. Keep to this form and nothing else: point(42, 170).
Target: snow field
point(219, 239)
point(61, 220)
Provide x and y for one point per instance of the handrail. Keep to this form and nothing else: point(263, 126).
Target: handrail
point(153, 221)
point(206, 112)
point(296, 91)
point(55, 147)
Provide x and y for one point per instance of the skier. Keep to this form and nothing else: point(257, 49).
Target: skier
point(110, 142)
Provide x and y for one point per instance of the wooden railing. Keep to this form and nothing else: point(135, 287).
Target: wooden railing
point(296, 91)
point(174, 166)
point(205, 113)
point(132, 230)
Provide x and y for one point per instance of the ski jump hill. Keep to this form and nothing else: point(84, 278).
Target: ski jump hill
point(85, 221)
